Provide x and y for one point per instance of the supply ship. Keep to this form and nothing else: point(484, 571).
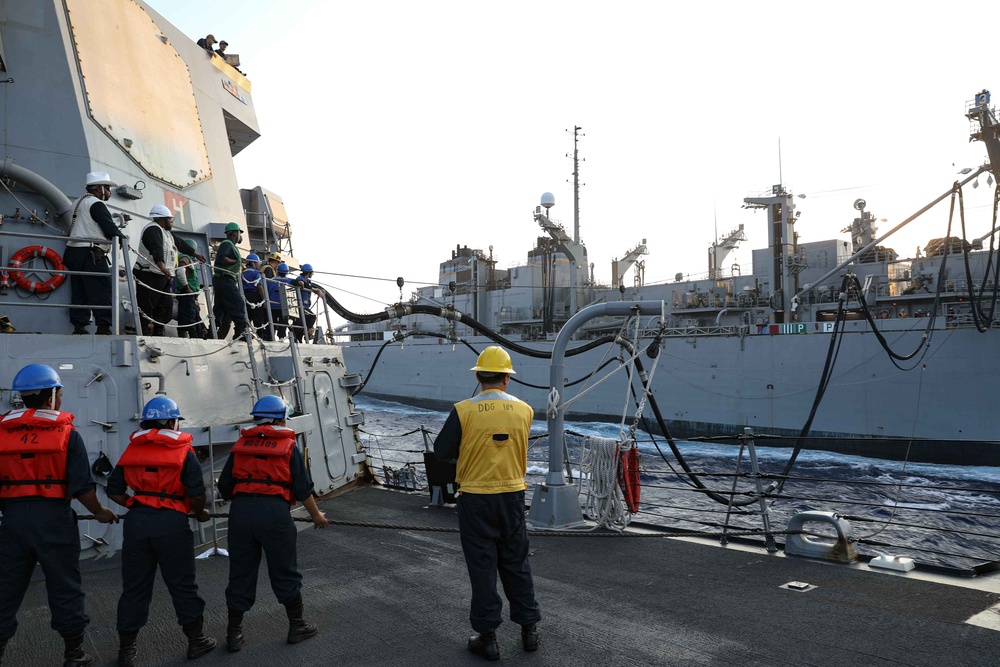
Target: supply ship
point(842, 341)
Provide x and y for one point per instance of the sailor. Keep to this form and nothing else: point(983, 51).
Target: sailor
point(229, 305)
point(306, 288)
point(188, 287)
point(43, 464)
point(264, 476)
point(163, 471)
point(275, 287)
point(256, 297)
point(86, 251)
point(488, 435)
point(154, 268)
point(270, 272)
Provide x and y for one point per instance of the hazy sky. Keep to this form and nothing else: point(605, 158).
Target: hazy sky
point(395, 130)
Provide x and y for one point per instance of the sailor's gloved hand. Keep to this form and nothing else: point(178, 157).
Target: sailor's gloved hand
point(203, 516)
point(320, 521)
point(104, 515)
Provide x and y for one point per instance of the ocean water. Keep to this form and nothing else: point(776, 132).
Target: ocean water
point(944, 516)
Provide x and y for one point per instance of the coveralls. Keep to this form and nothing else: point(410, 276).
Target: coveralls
point(229, 305)
point(260, 514)
point(488, 434)
point(157, 529)
point(38, 525)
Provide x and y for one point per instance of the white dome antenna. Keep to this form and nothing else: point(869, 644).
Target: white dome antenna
point(548, 200)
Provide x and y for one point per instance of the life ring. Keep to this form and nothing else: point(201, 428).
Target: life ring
point(30, 252)
point(883, 314)
point(628, 477)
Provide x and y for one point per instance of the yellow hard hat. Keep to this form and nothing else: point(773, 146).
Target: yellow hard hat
point(494, 359)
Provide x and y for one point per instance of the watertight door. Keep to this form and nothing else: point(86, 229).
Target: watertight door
point(331, 431)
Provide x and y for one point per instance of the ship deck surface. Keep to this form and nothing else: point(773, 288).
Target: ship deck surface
point(400, 597)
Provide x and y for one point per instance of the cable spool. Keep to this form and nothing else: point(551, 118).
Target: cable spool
point(30, 252)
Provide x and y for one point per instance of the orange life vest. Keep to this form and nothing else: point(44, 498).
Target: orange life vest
point(33, 448)
point(262, 460)
point(152, 463)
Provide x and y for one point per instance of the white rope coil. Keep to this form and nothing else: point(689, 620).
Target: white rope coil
point(605, 503)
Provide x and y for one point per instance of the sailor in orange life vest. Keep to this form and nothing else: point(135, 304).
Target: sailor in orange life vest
point(43, 464)
point(161, 468)
point(264, 476)
point(488, 434)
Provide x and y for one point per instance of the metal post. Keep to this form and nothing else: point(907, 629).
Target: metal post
point(555, 503)
point(764, 511)
point(130, 280)
point(116, 302)
point(724, 540)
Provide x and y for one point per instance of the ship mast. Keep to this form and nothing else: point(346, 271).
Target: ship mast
point(576, 183)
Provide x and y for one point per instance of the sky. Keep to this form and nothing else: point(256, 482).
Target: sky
point(395, 130)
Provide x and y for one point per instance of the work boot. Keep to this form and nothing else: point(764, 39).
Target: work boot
point(79, 330)
point(104, 330)
point(234, 631)
point(298, 630)
point(74, 655)
point(485, 644)
point(529, 637)
point(127, 650)
point(198, 643)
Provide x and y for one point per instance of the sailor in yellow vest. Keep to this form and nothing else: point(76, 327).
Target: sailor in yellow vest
point(43, 464)
point(162, 469)
point(488, 435)
point(264, 476)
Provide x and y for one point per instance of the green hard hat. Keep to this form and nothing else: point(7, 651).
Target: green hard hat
point(232, 227)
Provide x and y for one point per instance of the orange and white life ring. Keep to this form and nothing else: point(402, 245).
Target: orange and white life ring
point(883, 314)
point(628, 477)
point(30, 252)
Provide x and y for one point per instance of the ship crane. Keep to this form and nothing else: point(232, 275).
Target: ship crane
point(619, 267)
point(719, 250)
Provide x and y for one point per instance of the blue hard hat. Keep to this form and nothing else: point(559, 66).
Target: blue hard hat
point(306, 268)
point(271, 407)
point(161, 407)
point(252, 257)
point(34, 377)
point(282, 268)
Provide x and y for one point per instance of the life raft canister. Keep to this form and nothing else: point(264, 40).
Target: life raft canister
point(628, 477)
point(30, 252)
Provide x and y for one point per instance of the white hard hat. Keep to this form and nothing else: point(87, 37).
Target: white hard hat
point(99, 178)
point(160, 211)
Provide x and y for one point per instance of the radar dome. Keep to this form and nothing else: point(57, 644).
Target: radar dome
point(548, 200)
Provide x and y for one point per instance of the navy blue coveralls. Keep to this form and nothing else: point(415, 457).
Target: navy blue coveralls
point(263, 522)
point(43, 530)
point(494, 539)
point(158, 536)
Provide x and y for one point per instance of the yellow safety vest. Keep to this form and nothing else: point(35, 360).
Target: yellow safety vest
point(492, 457)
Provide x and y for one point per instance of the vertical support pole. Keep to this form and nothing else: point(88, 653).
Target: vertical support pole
point(209, 288)
point(130, 281)
point(724, 540)
point(764, 511)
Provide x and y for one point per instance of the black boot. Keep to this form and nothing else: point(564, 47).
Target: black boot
point(74, 655)
point(104, 330)
point(485, 644)
point(127, 650)
point(529, 637)
point(198, 643)
point(234, 631)
point(298, 630)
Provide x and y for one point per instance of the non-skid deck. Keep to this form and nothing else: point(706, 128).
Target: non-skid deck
point(400, 597)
